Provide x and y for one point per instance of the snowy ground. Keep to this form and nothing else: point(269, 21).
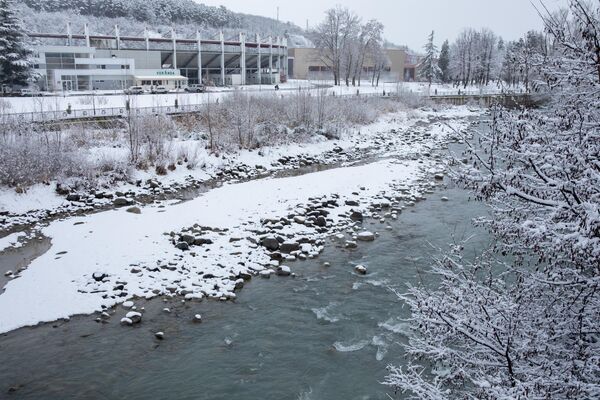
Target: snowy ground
point(206, 247)
point(106, 100)
point(116, 99)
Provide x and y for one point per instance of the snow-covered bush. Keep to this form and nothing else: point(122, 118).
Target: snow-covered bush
point(530, 328)
point(150, 140)
point(245, 121)
point(30, 156)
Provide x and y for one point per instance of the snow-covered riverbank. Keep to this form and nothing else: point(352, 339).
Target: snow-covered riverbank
point(401, 133)
point(208, 246)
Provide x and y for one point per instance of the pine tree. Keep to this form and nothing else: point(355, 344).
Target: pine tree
point(444, 62)
point(15, 65)
point(428, 69)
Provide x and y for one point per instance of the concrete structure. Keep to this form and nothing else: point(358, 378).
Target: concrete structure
point(306, 63)
point(85, 62)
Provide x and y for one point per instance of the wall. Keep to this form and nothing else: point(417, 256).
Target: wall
point(303, 58)
point(143, 59)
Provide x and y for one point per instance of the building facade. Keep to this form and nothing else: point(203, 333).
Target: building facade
point(87, 62)
point(307, 63)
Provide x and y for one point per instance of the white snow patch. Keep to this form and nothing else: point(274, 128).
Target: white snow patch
point(110, 241)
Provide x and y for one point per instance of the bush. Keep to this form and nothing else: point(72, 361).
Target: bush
point(30, 157)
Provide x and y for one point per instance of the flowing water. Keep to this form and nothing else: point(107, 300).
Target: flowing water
point(326, 334)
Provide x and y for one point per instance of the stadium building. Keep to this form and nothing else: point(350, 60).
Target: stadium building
point(67, 61)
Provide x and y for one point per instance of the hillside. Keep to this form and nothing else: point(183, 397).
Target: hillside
point(133, 16)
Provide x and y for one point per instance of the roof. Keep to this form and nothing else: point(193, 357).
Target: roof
point(160, 77)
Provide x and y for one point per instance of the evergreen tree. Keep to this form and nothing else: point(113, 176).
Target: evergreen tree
point(444, 62)
point(15, 65)
point(428, 69)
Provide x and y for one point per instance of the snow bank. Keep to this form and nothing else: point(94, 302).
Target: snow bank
point(110, 242)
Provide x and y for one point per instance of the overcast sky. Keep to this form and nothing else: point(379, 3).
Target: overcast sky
point(409, 21)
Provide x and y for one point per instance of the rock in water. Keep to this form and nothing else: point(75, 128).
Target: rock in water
point(159, 335)
point(361, 269)
point(134, 316)
point(197, 318)
point(126, 321)
point(266, 273)
point(283, 270)
point(366, 236)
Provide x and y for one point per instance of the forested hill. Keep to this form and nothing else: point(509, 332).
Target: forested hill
point(158, 15)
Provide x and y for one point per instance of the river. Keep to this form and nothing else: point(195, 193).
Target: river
point(326, 334)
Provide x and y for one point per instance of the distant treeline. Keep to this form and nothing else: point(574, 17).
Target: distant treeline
point(181, 11)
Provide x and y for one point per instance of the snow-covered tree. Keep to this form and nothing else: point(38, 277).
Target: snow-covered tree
point(444, 62)
point(15, 64)
point(428, 69)
point(527, 327)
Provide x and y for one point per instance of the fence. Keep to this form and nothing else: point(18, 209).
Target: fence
point(120, 112)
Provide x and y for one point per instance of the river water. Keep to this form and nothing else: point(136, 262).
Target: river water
point(326, 334)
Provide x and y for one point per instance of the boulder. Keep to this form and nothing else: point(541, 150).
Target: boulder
point(189, 239)
point(283, 270)
point(351, 244)
point(356, 216)
point(197, 318)
point(299, 219)
point(360, 269)
point(73, 197)
point(266, 273)
point(99, 276)
point(182, 246)
point(270, 243)
point(352, 203)
point(366, 236)
point(321, 221)
point(134, 210)
point(134, 316)
point(122, 201)
point(288, 246)
point(201, 241)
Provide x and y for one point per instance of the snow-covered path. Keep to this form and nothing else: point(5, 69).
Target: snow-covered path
point(119, 244)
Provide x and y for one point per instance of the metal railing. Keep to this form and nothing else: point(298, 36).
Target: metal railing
point(109, 112)
point(121, 112)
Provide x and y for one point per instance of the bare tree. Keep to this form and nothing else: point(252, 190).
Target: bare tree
point(334, 37)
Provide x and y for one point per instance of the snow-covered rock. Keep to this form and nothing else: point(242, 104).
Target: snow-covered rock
point(366, 236)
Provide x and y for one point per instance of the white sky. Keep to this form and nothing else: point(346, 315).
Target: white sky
point(410, 21)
